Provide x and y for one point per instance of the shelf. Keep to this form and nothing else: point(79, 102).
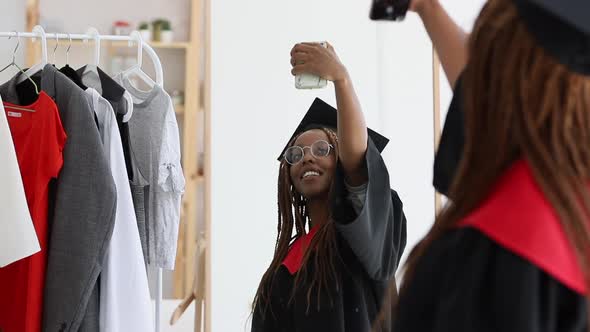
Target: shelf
point(179, 109)
point(173, 45)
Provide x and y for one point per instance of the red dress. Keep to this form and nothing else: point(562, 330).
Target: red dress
point(38, 139)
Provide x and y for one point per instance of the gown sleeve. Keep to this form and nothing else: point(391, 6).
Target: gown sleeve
point(450, 148)
point(465, 282)
point(377, 233)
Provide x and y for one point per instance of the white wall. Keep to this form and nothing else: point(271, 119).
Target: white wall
point(102, 14)
point(12, 13)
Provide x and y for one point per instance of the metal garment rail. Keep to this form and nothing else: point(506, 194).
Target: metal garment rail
point(93, 35)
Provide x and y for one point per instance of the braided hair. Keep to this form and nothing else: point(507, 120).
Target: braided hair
point(317, 272)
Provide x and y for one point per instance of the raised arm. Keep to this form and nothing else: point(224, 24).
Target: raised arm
point(352, 129)
point(450, 41)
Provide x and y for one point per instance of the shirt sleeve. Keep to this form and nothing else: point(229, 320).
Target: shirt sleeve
point(57, 142)
point(170, 175)
point(168, 194)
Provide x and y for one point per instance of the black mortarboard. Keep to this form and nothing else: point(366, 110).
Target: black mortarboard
point(322, 115)
point(562, 28)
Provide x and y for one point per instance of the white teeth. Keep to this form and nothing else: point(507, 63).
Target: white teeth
point(310, 173)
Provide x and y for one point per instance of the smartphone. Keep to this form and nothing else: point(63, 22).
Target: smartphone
point(310, 81)
point(389, 10)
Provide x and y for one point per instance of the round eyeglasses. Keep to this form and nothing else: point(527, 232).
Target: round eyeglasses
point(294, 154)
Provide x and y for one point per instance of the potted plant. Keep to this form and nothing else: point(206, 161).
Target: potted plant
point(157, 29)
point(166, 33)
point(145, 32)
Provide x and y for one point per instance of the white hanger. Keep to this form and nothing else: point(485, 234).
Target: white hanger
point(93, 66)
point(136, 68)
point(157, 64)
point(39, 66)
point(94, 33)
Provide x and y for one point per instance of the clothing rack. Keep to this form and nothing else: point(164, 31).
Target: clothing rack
point(93, 35)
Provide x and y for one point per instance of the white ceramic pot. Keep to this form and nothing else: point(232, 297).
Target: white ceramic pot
point(146, 35)
point(167, 36)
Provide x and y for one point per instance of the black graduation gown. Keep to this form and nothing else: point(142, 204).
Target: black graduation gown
point(452, 140)
point(466, 282)
point(370, 244)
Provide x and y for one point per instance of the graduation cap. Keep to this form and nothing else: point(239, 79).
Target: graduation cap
point(322, 115)
point(562, 28)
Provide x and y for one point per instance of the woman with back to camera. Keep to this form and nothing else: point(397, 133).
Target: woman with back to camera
point(334, 195)
point(511, 252)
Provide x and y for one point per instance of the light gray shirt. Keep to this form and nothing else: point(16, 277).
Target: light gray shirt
point(156, 145)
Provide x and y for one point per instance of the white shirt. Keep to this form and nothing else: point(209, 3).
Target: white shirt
point(18, 238)
point(125, 303)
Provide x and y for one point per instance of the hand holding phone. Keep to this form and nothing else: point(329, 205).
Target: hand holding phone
point(311, 81)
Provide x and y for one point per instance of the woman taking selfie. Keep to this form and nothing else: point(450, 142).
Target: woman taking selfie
point(341, 229)
point(511, 252)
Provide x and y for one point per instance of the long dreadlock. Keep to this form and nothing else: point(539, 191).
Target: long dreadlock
point(520, 103)
point(322, 252)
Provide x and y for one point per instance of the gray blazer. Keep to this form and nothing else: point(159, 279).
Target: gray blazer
point(84, 214)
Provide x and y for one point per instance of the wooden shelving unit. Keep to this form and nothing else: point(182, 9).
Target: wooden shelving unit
point(196, 108)
point(174, 45)
point(179, 109)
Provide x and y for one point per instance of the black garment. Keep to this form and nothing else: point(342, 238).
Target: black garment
point(73, 75)
point(26, 90)
point(465, 283)
point(452, 140)
point(370, 245)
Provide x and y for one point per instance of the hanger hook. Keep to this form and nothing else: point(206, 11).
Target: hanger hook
point(17, 45)
point(56, 46)
point(40, 32)
point(93, 33)
point(137, 37)
point(68, 50)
